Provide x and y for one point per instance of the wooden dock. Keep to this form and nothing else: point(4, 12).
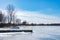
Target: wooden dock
point(4, 31)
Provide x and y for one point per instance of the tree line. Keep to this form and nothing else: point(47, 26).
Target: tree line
point(10, 18)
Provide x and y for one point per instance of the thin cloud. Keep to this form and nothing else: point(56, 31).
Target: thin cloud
point(36, 17)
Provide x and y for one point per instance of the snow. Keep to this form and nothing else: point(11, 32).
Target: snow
point(39, 33)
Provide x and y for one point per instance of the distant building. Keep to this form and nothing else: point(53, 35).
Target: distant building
point(18, 21)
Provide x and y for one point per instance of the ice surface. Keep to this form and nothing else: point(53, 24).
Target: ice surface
point(39, 33)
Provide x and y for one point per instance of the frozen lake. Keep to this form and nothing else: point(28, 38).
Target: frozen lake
point(39, 33)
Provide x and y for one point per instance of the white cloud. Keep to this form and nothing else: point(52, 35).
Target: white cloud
point(36, 17)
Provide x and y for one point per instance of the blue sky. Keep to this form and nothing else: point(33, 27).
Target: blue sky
point(49, 7)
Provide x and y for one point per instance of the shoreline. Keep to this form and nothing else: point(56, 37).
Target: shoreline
point(7, 24)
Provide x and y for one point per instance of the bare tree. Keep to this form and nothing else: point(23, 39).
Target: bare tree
point(4, 19)
point(1, 16)
point(10, 10)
